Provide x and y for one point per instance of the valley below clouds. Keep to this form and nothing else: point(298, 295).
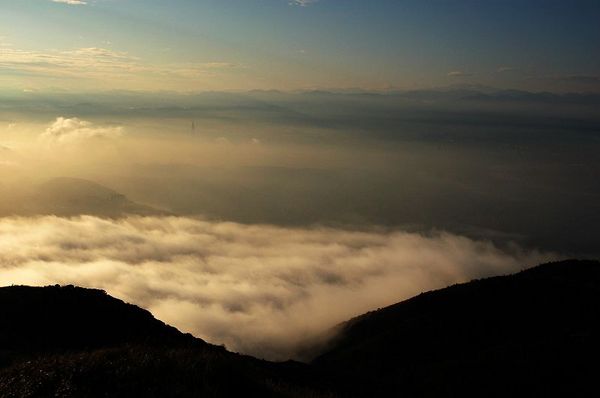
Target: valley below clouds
point(259, 289)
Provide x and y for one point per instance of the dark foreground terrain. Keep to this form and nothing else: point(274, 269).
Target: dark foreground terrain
point(535, 333)
point(75, 342)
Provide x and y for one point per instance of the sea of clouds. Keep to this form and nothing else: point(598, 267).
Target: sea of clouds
point(258, 289)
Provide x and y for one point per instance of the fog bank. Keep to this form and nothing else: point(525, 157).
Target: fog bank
point(258, 289)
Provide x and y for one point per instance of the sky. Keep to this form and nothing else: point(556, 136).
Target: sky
point(200, 45)
point(256, 171)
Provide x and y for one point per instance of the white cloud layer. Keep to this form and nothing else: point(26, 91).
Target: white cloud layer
point(258, 289)
point(65, 130)
point(71, 2)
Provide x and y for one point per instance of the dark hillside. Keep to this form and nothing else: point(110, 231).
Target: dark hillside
point(56, 319)
point(75, 342)
point(536, 332)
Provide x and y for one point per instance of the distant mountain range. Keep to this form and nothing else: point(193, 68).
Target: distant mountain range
point(534, 333)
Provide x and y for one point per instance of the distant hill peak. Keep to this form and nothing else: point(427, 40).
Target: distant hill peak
point(67, 196)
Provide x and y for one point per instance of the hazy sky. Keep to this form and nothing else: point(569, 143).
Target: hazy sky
point(298, 44)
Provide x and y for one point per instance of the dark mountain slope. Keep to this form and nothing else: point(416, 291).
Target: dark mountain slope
point(74, 342)
point(535, 333)
point(55, 319)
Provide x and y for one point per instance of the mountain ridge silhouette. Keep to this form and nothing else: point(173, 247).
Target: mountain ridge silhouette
point(531, 333)
point(460, 340)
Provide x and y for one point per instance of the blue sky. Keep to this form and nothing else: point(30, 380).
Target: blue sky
point(282, 44)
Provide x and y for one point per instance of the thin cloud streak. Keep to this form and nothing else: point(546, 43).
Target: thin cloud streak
point(101, 64)
point(71, 2)
point(303, 3)
point(458, 73)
